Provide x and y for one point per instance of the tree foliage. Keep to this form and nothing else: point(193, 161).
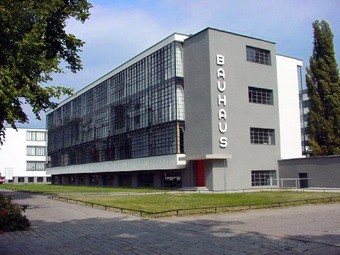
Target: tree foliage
point(33, 43)
point(323, 86)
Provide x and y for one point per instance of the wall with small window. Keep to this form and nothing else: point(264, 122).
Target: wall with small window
point(230, 81)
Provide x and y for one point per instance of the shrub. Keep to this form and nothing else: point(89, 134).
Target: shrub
point(11, 218)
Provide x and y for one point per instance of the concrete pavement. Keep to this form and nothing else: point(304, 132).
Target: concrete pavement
point(62, 228)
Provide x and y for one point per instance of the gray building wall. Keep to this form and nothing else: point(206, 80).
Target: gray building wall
point(322, 172)
point(202, 109)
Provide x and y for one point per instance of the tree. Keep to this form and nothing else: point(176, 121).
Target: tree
point(33, 43)
point(323, 87)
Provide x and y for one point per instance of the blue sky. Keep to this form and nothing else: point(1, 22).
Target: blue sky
point(118, 30)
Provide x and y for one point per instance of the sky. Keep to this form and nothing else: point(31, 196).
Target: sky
point(119, 30)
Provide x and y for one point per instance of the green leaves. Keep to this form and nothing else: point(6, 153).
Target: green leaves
point(323, 85)
point(33, 42)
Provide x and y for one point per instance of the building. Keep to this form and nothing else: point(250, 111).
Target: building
point(310, 172)
point(206, 110)
point(23, 156)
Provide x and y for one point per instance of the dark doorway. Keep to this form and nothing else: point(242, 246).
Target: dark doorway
point(303, 179)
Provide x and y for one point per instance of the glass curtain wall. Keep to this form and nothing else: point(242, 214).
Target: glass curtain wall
point(138, 112)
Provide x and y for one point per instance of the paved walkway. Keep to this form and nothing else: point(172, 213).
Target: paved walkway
point(62, 228)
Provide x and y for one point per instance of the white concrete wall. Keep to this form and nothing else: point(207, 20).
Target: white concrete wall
point(289, 111)
point(166, 162)
point(13, 154)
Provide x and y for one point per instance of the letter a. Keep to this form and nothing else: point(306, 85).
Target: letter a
point(220, 73)
point(222, 114)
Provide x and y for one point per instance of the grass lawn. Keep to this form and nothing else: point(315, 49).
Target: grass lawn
point(64, 189)
point(163, 202)
point(172, 201)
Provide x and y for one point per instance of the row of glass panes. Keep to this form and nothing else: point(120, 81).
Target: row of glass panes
point(260, 96)
point(30, 179)
point(36, 151)
point(143, 143)
point(257, 55)
point(263, 178)
point(262, 136)
point(36, 136)
point(119, 119)
point(35, 166)
point(87, 99)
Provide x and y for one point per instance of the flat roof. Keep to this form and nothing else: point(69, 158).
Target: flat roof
point(232, 33)
point(286, 56)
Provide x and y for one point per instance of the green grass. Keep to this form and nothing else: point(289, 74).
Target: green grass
point(172, 201)
point(65, 189)
point(163, 202)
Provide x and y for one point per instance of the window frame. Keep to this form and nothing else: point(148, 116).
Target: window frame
point(36, 136)
point(35, 165)
point(260, 95)
point(258, 55)
point(263, 178)
point(264, 136)
point(35, 150)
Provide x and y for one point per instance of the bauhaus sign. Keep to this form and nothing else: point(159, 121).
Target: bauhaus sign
point(221, 101)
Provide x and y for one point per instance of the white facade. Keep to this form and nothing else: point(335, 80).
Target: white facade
point(288, 77)
point(23, 156)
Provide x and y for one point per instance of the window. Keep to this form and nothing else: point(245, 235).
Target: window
point(172, 180)
point(180, 102)
point(40, 179)
point(48, 179)
point(145, 180)
point(259, 56)
point(36, 151)
point(36, 136)
point(35, 166)
point(134, 113)
point(179, 60)
point(21, 179)
point(260, 96)
point(30, 179)
point(124, 180)
point(263, 178)
point(262, 136)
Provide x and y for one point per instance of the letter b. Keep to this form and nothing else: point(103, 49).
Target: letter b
point(220, 59)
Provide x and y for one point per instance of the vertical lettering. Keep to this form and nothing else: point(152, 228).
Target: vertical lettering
point(219, 59)
point(220, 73)
point(223, 142)
point(222, 114)
point(223, 128)
point(222, 99)
point(221, 86)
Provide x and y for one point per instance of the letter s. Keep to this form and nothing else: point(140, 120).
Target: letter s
point(223, 142)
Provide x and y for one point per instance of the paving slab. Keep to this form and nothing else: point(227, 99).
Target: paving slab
point(63, 228)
